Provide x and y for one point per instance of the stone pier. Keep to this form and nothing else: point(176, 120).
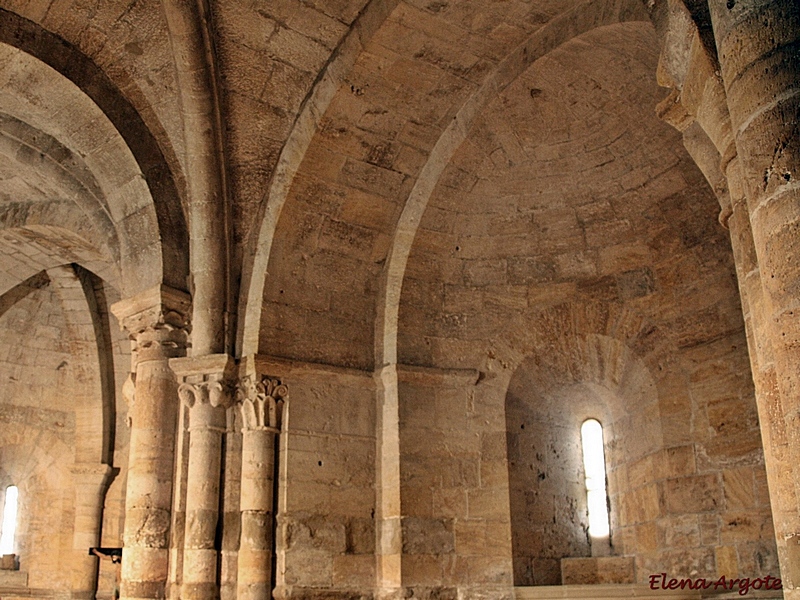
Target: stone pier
point(757, 44)
point(157, 323)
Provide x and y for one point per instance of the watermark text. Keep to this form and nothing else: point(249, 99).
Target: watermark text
point(659, 581)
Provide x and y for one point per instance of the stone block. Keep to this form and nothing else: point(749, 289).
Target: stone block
point(649, 537)
point(680, 531)
point(491, 504)
point(597, 570)
point(546, 571)
point(743, 526)
point(450, 502)
point(727, 561)
point(678, 461)
point(360, 536)
point(354, 571)
point(428, 536)
point(489, 569)
point(470, 538)
point(738, 488)
point(699, 493)
point(308, 567)
point(422, 569)
point(493, 473)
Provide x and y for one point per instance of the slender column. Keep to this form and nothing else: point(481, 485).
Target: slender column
point(189, 25)
point(388, 531)
point(758, 44)
point(91, 481)
point(204, 387)
point(261, 400)
point(157, 322)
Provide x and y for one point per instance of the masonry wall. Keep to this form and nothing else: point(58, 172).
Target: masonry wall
point(326, 491)
point(583, 249)
point(454, 485)
point(37, 383)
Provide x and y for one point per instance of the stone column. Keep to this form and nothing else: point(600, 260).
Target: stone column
point(771, 414)
point(91, 481)
point(204, 386)
point(757, 44)
point(157, 322)
point(261, 400)
point(389, 530)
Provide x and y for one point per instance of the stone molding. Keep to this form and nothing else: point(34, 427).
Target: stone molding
point(261, 399)
point(437, 376)
point(91, 474)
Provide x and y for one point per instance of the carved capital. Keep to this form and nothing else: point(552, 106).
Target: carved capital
point(211, 391)
point(205, 380)
point(261, 399)
point(157, 323)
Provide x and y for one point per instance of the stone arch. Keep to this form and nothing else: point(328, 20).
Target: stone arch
point(141, 197)
point(582, 18)
point(62, 178)
point(358, 186)
point(37, 445)
point(40, 245)
point(38, 463)
point(306, 124)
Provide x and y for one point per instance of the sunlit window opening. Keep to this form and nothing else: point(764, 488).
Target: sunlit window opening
point(9, 521)
point(594, 465)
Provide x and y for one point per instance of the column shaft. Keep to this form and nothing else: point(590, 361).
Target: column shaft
point(90, 487)
point(255, 550)
point(205, 390)
point(149, 485)
point(261, 401)
point(771, 415)
point(206, 426)
point(758, 44)
point(389, 531)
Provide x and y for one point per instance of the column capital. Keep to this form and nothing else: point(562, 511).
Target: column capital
point(205, 380)
point(157, 321)
point(261, 399)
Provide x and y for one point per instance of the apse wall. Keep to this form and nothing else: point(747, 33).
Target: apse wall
point(571, 218)
point(678, 503)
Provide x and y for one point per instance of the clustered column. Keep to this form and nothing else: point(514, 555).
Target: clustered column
point(261, 400)
point(205, 387)
point(157, 323)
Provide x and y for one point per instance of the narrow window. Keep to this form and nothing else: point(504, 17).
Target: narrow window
point(9, 521)
point(594, 465)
